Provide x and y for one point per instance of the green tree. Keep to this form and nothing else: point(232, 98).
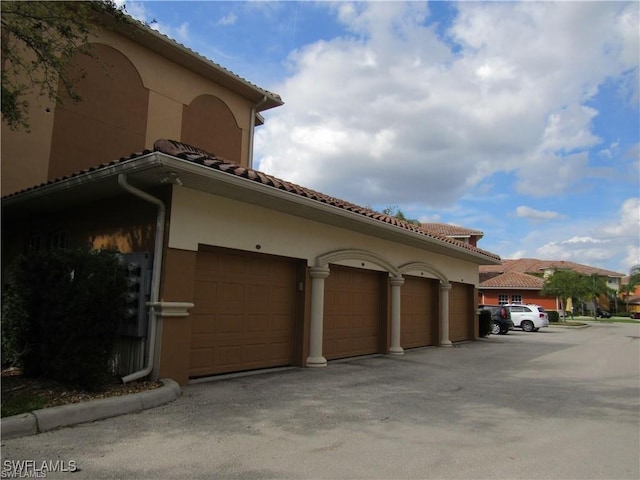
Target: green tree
point(61, 312)
point(564, 284)
point(38, 39)
point(629, 288)
point(595, 286)
point(394, 211)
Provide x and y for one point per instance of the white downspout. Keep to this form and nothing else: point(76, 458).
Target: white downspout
point(155, 275)
point(252, 128)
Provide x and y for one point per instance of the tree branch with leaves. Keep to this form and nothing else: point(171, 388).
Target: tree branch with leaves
point(564, 284)
point(38, 40)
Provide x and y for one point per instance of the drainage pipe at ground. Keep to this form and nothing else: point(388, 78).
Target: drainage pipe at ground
point(155, 276)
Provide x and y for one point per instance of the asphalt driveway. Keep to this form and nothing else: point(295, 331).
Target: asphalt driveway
point(559, 403)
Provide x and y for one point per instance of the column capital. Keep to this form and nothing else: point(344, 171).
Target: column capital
point(397, 281)
point(319, 272)
point(445, 286)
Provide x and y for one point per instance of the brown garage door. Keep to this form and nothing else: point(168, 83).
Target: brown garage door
point(418, 312)
point(353, 310)
point(461, 312)
point(244, 312)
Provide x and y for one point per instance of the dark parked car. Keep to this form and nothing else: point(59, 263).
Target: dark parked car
point(635, 315)
point(603, 313)
point(500, 319)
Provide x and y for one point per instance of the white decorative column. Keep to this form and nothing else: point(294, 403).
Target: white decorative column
point(396, 283)
point(444, 315)
point(316, 359)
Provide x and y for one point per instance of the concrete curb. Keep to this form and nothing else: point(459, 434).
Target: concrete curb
point(569, 326)
point(47, 419)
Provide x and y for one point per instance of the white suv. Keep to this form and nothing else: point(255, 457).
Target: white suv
point(528, 317)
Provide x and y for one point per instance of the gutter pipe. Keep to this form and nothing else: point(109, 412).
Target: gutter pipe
point(155, 276)
point(254, 111)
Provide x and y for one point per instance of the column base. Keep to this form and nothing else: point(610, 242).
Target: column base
point(396, 351)
point(316, 362)
point(446, 343)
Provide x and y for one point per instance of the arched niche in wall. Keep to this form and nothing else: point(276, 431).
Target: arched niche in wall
point(109, 122)
point(209, 124)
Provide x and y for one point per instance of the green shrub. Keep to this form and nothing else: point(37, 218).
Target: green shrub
point(61, 313)
point(485, 323)
point(554, 316)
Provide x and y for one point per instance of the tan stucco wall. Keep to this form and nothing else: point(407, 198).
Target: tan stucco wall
point(178, 284)
point(176, 84)
point(25, 162)
point(25, 156)
point(197, 217)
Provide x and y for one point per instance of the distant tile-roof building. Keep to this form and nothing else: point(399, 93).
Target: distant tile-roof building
point(462, 234)
point(521, 280)
point(535, 266)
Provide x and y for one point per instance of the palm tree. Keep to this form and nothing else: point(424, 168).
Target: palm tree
point(629, 288)
point(595, 286)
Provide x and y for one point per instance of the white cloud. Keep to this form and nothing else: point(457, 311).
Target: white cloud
point(136, 9)
point(533, 214)
point(579, 249)
point(517, 255)
point(628, 225)
point(610, 151)
point(596, 243)
point(230, 19)
point(569, 129)
point(391, 114)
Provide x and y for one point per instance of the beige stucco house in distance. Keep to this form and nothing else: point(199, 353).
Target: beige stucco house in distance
point(248, 271)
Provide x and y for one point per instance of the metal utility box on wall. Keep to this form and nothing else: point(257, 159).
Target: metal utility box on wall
point(138, 267)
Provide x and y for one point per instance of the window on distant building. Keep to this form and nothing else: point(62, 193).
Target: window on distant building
point(33, 243)
point(57, 239)
point(516, 299)
point(503, 299)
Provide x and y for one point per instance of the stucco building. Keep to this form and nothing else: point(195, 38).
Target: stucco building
point(248, 271)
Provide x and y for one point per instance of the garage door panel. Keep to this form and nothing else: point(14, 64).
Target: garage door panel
point(279, 324)
point(256, 324)
point(244, 313)
point(352, 312)
point(461, 314)
point(230, 293)
point(419, 312)
point(201, 357)
point(228, 357)
point(279, 351)
point(200, 325)
point(226, 324)
point(254, 353)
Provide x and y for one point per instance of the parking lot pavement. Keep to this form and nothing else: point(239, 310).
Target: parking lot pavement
point(558, 403)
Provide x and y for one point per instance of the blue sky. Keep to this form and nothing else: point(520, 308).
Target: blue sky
point(517, 119)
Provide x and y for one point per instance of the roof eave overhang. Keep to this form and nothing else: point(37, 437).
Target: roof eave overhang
point(156, 168)
point(509, 287)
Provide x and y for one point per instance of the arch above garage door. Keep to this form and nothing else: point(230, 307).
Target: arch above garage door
point(412, 266)
point(356, 254)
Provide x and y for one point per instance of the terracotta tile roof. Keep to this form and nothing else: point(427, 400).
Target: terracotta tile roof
point(533, 265)
point(201, 157)
point(450, 230)
point(514, 280)
point(195, 155)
